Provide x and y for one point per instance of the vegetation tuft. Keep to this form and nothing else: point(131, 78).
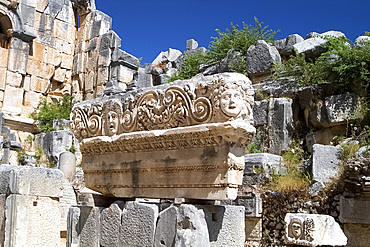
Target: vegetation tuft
point(48, 111)
point(235, 39)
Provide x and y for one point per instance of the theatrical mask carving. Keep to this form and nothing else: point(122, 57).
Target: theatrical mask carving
point(221, 99)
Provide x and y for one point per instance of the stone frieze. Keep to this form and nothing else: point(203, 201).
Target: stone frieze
point(203, 99)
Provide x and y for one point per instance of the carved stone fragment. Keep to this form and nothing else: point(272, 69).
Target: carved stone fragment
point(185, 139)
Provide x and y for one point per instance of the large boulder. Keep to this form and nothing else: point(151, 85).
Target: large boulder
point(261, 57)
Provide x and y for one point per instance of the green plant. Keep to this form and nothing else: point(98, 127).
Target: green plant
point(190, 67)
point(238, 39)
point(48, 111)
point(21, 156)
point(39, 153)
point(235, 39)
point(367, 34)
point(252, 148)
point(72, 149)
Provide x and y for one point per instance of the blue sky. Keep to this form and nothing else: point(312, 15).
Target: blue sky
point(148, 27)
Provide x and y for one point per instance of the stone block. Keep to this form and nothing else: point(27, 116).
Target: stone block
point(3, 73)
point(14, 79)
point(109, 40)
point(144, 79)
point(357, 234)
point(192, 229)
point(195, 51)
point(60, 74)
point(89, 226)
point(226, 226)
point(354, 210)
point(100, 27)
point(269, 163)
point(253, 231)
point(313, 230)
point(260, 112)
point(35, 181)
point(325, 162)
point(104, 57)
point(285, 46)
point(125, 58)
point(66, 13)
point(191, 44)
point(165, 231)
point(18, 58)
point(110, 221)
point(66, 201)
point(138, 224)
point(252, 205)
point(38, 84)
point(261, 57)
point(342, 108)
point(280, 121)
point(2, 216)
point(67, 61)
point(27, 14)
point(361, 41)
point(31, 99)
point(4, 57)
point(312, 47)
point(38, 51)
point(73, 227)
point(55, 142)
point(32, 221)
point(13, 99)
point(103, 76)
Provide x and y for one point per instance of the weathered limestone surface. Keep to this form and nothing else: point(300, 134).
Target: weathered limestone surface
point(226, 226)
point(313, 230)
point(325, 162)
point(32, 221)
point(110, 221)
point(285, 46)
point(138, 224)
point(191, 227)
point(354, 210)
point(55, 143)
point(2, 217)
point(145, 146)
point(33, 181)
point(261, 57)
point(312, 47)
point(165, 231)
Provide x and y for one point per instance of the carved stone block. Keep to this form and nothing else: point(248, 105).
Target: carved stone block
point(313, 230)
point(177, 140)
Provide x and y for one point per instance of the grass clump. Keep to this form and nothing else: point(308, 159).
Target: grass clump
point(48, 111)
point(294, 178)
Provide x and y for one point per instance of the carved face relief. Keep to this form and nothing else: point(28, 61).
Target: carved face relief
point(296, 228)
point(231, 102)
point(112, 121)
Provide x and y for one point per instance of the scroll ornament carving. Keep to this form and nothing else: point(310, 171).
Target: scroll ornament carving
point(215, 101)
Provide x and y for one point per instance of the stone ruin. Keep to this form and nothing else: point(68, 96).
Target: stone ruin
point(166, 162)
point(181, 140)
